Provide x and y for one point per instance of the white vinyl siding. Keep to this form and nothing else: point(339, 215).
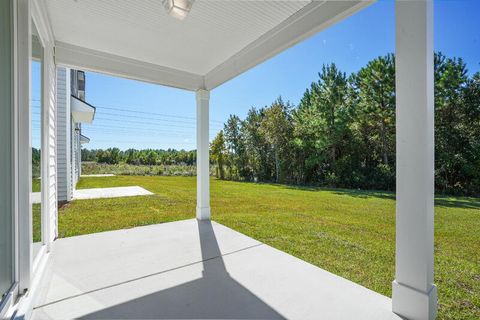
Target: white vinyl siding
point(51, 146)
point(76, 153)
point(63, 135)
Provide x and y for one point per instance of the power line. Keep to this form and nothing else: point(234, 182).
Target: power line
point(212, 122)
point(101, 115)
point(147, 123)
point(125, 130)
point(144, 138)
point(141, 122)
point(146, 112)
point(144, 125)
point(160, 121)
point(153, 113)
point(147, 118)
point(132, 141)
point(139, 134)
point(130, 129)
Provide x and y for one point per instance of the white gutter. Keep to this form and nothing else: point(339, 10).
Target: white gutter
point(82, 112)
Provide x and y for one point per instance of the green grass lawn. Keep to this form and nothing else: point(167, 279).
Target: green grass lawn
point(36, 222)
point(350, 233)
point(36, 184)
point(36, 212)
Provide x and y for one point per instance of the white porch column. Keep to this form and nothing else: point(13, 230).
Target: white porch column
point(203, 164)
point(414, 294)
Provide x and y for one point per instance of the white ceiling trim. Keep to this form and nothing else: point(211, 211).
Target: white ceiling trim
point(71, 56)
point(313, 18)
point(42, 22)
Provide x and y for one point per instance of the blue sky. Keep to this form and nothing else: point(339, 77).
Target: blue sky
point(36, 116)
point(153, 116)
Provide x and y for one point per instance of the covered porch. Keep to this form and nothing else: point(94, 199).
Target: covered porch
point(193, 269)
point(196, 268)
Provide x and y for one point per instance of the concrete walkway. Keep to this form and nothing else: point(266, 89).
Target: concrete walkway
point(190, 270)
point(36, 197)
point(98, 193)
point(97, 175)
point(116, 192)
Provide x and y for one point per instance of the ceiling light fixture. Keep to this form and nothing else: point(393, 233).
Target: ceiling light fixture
point(178, 8)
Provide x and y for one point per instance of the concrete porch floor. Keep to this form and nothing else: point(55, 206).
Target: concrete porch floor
point(190, 269)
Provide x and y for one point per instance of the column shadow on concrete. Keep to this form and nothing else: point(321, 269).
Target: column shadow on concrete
point(214, 296)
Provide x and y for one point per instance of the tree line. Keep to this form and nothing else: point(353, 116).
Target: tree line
point(36, 165)
point(342, 133)
point(140, 157)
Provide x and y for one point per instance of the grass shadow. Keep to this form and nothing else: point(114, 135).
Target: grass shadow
point(457, 202)
point(357, 193)
point(440, 200)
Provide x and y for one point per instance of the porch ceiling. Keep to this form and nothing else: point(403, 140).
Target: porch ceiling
point(217, 41)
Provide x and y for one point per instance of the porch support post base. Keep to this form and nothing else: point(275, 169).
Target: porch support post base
point(203, 213)
point(412, 303)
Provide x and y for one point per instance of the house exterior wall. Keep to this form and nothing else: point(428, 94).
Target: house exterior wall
point(76, 153)
point(79, 155)
point(50, 144)
point(69, 146)
point(77, 89)
point(64, 133)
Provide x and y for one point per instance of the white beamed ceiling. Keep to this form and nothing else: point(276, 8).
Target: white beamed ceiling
point(213, 33)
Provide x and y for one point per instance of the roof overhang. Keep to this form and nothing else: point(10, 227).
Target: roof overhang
point(82, 112)
point(216, 42)
point(84, 139)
